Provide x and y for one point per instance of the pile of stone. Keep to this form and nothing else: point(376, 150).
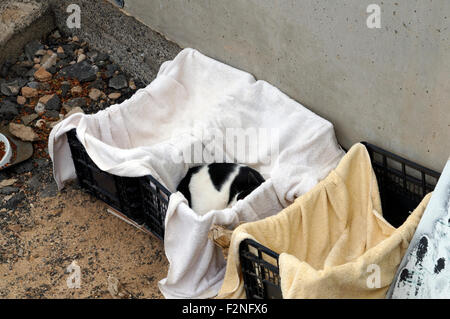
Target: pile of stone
point(54, 79)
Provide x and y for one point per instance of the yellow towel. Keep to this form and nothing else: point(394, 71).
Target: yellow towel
point(331, 239)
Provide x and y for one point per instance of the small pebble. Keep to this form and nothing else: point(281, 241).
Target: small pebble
point(132, 85)
point(76, 90)
point(95, 94)
point(40, 124)
point(28, 92)
point(81, 58)
point(42, 75)
point(21, 100)
point(39, 108)
point(114, 96)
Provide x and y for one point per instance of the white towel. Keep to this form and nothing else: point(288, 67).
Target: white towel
point(193, 100)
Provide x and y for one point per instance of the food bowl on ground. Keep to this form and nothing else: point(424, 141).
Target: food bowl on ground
point(5, 150)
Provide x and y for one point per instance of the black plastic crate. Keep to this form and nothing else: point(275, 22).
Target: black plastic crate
point(402, 185)
point(142, 199)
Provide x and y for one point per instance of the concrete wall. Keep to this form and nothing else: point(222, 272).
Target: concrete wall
point(389, 86)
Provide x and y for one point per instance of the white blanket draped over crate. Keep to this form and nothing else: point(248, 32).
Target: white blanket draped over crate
point(192, 99)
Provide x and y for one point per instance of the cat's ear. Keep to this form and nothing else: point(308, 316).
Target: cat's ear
point(252, 180)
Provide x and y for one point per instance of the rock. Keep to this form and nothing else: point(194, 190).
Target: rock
point(44, 86)
point(49, 61)
point(110, 70)
point(30, 73)
point(36, 60)
point(8, 190)
point(82, 71)
point(132, 85)
point(4, 70)
point(11, 88)
point(69, 49)
point(42, 75)
point(81, 58)
point(8, 110)
point(92, 55)
point(44, 99)
point(7, 182)
point(23, 167)
point(31, 48)
point(15, 200)
point(29, 92)
point(65, 88)
point(33, 85)
point(52, 69)
point(36, 66)
point(118, 82)
point(40, 124)
point(27, 119)
point(21, 100)
point(60, 50)
point(75, 39)
point(75, 102)
point(76, 90)
point(114, 96)
point(56, 35)
point(25, 133)
point(39, 108)
point(51, 101)
point(52, 114)
point(98, 84)
point(41, 52)
point(95, 94)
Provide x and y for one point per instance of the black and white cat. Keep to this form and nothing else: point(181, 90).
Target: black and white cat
point(218, 185)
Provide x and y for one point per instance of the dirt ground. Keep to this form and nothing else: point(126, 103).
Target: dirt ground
point(73, 226)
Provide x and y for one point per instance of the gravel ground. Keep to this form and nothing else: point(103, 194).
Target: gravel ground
point(42, 231)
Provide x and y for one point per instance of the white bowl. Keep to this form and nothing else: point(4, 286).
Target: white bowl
point(8, 152)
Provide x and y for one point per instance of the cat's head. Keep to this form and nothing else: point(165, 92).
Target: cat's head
point(254, 179)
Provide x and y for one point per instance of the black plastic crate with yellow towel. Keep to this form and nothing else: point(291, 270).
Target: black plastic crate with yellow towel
point(402, 185)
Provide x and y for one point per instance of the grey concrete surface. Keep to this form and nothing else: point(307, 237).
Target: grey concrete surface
point(21, 22)
point(389, 86)
point(131, 44)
